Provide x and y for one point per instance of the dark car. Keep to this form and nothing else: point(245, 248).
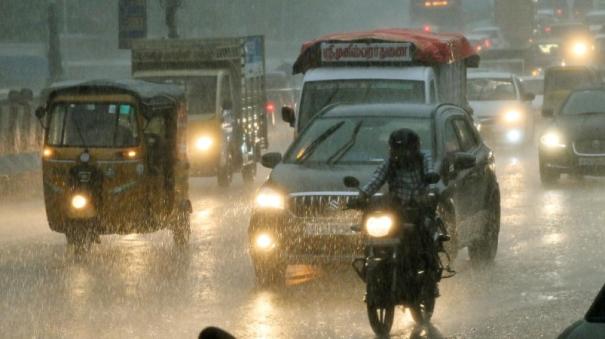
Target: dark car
point(299, 215)
point(593, 324)
point(574, 143)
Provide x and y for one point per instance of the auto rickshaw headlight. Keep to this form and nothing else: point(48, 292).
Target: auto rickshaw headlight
point(379, 226)
point(270, 199)
point(264, 241)
point(47, 152)
point(79, 201)
point(204, 143)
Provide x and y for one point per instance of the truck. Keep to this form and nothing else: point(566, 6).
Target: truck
point(516, 20)
point(387, 65)
point(437, 15)
point(224, 81)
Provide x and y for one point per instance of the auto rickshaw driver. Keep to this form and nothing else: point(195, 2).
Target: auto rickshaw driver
point(100, 176)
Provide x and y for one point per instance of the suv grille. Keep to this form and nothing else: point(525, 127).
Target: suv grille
point(590, 146)
point(319, 204)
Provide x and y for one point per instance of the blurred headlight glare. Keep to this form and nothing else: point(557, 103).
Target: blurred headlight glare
point(580, 48)
point(204, 143)
point(264, 241)
point(512, 116)
point(552, 140)
point(379, 226)
point(79, 201)
point(269, 199)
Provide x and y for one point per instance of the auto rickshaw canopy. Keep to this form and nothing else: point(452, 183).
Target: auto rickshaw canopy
point(156, 97)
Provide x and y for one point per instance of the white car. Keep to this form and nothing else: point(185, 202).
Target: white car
point(502, 107)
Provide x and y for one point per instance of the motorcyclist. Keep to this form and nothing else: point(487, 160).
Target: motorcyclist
point(405, 171)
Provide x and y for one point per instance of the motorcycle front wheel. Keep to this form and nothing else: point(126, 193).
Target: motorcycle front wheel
point(423, 312)
point(381, 319)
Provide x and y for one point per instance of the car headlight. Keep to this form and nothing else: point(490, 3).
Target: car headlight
point(379, 226)
point(264, 241)
point(270, 199)
point(552, 140)
point(79, 201)
point(204, 143)
point(580, 48)
point(512, 116)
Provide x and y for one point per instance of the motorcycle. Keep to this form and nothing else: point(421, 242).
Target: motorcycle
point(401, 265)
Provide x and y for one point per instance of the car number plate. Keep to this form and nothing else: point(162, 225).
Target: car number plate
point(317, 229)
point(591, 162)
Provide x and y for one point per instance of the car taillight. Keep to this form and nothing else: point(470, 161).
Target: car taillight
point(427, 28)
point(487, 43)
point(270, 107)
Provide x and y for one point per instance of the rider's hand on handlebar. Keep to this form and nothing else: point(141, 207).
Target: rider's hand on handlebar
point(359, 202)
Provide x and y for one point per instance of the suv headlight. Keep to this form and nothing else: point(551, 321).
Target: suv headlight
point(270, 199)
point(552, 140)
point(379, 225)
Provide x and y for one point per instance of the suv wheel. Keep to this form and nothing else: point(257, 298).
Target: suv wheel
point(484, 250)
point(548, 176)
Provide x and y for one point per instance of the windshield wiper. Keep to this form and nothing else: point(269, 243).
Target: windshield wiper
point(79, 130)
point(320, 139)
point(341, 152)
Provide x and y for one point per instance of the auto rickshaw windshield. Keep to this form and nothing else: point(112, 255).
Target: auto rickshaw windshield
point(103, 125)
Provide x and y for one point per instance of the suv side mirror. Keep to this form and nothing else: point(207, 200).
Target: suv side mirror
point(548, 112)
point(351, 182)
point(432, 178)
point(529, 96)
point(288, 115)
point(270, 160)
point(464, 161)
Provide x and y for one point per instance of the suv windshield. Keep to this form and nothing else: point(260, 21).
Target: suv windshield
point(590, 101)
point(319, 94)
point(491, 90)
point(93, 125)
point(371, 135)
point(567, 80)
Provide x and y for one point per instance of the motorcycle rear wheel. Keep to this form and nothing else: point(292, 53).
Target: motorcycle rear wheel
point(381, 319)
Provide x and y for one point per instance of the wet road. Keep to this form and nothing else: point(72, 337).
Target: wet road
point(547, 272)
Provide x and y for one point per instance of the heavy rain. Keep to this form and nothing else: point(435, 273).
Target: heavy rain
point(302, 169)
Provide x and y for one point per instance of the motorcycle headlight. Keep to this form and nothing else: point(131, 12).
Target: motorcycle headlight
point(379, 225)
point(512, 116)
point(204, 143)
point(552, 140)
point(270, 199)
point(79, 201)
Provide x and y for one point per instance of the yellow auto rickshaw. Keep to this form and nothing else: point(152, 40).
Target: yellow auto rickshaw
point(115, 160)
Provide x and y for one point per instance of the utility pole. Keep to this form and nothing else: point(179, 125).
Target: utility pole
point(171, 7)
point(55, 68)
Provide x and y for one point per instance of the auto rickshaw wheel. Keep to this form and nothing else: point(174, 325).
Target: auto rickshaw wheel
point(80, 236)
point(182, 228)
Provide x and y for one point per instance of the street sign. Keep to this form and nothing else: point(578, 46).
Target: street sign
point(132, 22)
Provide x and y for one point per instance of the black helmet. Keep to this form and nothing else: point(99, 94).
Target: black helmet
point(404, 139)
